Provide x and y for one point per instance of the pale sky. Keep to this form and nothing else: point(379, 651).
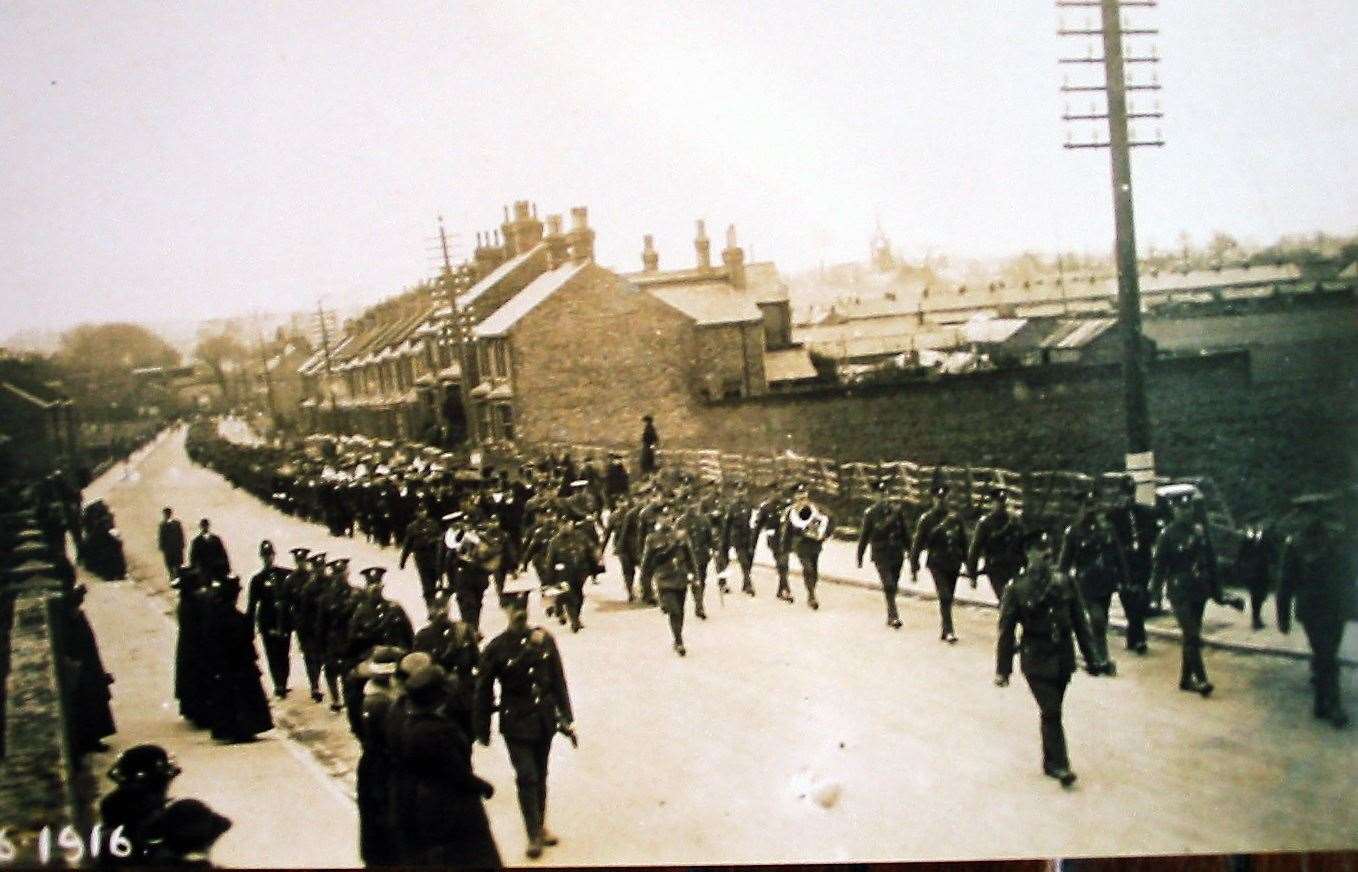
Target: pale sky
point(202, 159)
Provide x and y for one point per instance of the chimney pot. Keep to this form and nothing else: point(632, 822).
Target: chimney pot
point(703, 246)
point(650, 259)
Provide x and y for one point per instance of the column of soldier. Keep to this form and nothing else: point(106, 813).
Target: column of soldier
point(667, 530)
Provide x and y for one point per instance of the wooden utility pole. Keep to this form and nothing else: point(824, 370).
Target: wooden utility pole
point(329, 373)
point(268, 378)
point(456, 327)
point(1140, 454)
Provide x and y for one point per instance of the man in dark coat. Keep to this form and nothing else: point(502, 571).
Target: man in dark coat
point(616, 480)
point(1046, 604)
point(1185, 562)
point(440, 812)
point(1318, 572)
point(269, 609)
point(650, 441)
point(91, 716)
point(207, 554)
point(884, 529)
point(534, 706)
point(996, 541)
point(941, 534)
point(240, 710)
point(1092, 554)
point(170, 540)
point(1254, 567)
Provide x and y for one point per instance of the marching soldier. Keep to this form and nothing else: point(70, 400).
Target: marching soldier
point(804, 529)
point(884, 529)
point(940, 533)
point(1046, 604)
point(269, 609)
point(694, 523)
point(647, 516)
point(1137, 526)
point(769, 516)
point(572, 557)
point(422, 541)
point(534, 706)
point(997, 541)
point(451, 645)
point(1185, 562)
point(737, 535)
point(337, 605)
point(669, 560)
point(481, 552)
point(1254, 568)
point(308, 583)
point(617, 483)
point(375, 622)
point(1318, 573)
point(1093, 555)
point(618, 530)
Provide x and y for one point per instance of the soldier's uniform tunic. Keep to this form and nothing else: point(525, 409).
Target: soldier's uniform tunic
point(534, 701)
point(1094, 555)
point(940, 533)
point(996, 540)
point(1185, 563)
point(884, 531)
point(1318, 573)
point(269, 608)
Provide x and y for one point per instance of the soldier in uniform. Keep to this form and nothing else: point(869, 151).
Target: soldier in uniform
point(422, 541)
point(452, 645)
point(573, 558)
point(884, 529)
point(534, 706)
point(997, 541)
point(207, 554)
point(669, 560)
point(693, 521)
point(269, 609)
point(337, 605)
point(170, 538)
point(617, 531)
point(940, 533)
point(1318, 573)
point(1254, 564)
point(1137, 526)
point(1046, 604)
point(1092, 554)
point(1185, 562)
point(617, 483)
point(309, 586)
point(737, 535)
point(769, 516)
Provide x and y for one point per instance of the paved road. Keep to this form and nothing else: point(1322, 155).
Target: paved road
point(718, 757)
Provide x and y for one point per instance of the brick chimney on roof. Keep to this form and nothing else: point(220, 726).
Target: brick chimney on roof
point(650, 258)
point(525, 230)
point(733, 256)
point(703, 246)
point(558, 247)
point(581, 237)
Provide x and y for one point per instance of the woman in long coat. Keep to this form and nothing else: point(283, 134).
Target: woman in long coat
point(92, 719)
point(240, 710)
point(191, 677)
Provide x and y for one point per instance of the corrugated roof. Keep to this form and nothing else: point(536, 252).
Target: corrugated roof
point(709, 303)
point(791, 364)
point(503, 319)
point(499, 274)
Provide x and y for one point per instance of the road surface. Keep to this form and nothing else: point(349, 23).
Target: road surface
point(720, 757)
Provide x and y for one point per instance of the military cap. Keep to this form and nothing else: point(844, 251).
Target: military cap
point(318, 558)
point(300, 553)
point(939, 490)
point(373, 574)
point(265, 547)
point(143, 763)
point(412, 663)
point(339, 563)
point(579, 483)
point(881, 484)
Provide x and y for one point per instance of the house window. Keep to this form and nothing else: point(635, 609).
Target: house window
point(504, 421)
point(499, 358)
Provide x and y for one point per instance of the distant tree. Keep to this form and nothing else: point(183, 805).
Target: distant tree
point(114, 348)
point(225, 356)
point(1222, 246)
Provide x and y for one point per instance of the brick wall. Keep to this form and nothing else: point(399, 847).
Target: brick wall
point(731, 357)
point(595, 356)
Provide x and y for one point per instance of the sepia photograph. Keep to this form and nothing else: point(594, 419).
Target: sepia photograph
point(586, 433)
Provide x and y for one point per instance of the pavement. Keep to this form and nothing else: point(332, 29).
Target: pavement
point(1222, 627)
point(786, 735)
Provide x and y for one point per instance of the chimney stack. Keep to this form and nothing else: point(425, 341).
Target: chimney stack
point(734, 258)
point(526, 228)
point(650, 259)
point(581, 237)
point(558, 248)
point(703, 246)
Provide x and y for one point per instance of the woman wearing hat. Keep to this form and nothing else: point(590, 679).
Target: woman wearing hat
point(143, 774)
point(239, 708)
point(1047, 605)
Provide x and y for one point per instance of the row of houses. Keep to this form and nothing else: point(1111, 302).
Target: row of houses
point(540, 342)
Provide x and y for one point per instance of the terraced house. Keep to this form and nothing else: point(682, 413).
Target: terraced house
point(547, 345)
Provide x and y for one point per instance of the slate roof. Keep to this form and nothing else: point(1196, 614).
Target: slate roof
point(709, 303)
point(499, 274)
point(503, 319)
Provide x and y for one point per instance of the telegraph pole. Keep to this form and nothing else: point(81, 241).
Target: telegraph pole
point(457, 328)
point(268, 378)
point(1140, 455)
point(329, 373)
